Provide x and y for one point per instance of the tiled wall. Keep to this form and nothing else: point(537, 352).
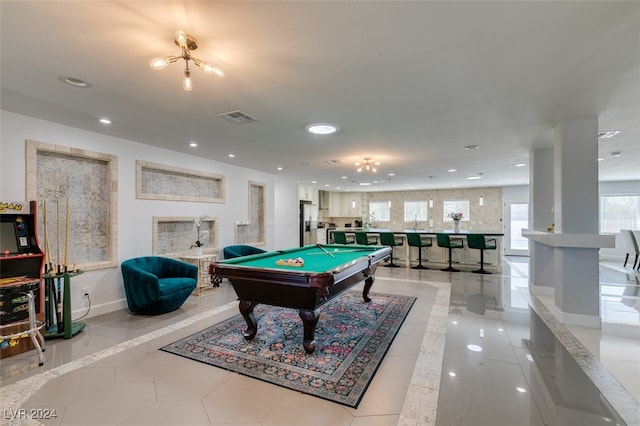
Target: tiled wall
point(162, 182)
point(252, 232)
point(86, 182)
point(176, 235)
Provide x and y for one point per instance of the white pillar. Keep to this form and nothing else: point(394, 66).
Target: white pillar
point(576, 212)
point(541, 261)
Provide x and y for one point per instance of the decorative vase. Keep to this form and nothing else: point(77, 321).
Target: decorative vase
point(366, 226)
point(198, 251)
point(456, 226)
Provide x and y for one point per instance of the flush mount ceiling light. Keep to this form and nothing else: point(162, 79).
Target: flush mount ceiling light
point(608, 134)
point(367, 165)
point(322, 128)
point(75, 82)
point(187, 43)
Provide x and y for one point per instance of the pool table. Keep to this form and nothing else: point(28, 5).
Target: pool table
point(327, 271)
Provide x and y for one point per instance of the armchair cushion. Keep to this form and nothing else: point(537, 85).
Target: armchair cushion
point(157, 285)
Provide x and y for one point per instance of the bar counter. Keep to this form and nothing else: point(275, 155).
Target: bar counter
point(437, 257)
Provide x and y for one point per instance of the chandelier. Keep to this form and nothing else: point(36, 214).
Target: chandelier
point(367, 165)
point(187, 43)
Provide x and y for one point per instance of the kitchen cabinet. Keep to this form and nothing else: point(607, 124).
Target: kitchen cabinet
point(305, 192)
point(345, 204)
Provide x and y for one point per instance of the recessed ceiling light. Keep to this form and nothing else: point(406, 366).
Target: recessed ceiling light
point(327, 185)
point(75, 82)
point(232, 155)
point(474, 348)
point(364, 183)
point(391, 174)
point(105, 121)
point(193, 144)
point(471, 147)
point(473, 177)
point(314, 181)
point(343, 177)
point(521, 389)
point(451, 170)
point(279, 168)
point(608, 134)
point(452, 374)
point(322, 128)
point(520, 165)
point(600, 159)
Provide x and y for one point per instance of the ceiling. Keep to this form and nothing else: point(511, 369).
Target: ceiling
point(410, 84)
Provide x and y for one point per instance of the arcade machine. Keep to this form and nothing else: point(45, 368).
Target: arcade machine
point(21, 290)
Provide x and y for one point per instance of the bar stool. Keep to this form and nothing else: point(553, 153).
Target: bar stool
point(632, 246)
point(444, 240)
point(478, 241)
point(416, 240)
point(340, 237)
point(364, 239)
point(391, 240)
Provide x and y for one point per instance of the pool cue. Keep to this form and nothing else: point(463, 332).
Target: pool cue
point(325, 250)
point(47, 286)
point(66, 237)
point(337, 252)
point(58, 236)
point(58, 271)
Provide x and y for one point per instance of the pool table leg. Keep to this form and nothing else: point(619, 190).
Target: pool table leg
point(309, 322)
point(246, 310)
point(368, 282)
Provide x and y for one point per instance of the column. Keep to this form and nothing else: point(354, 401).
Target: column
point(576, 212)
point(541, 190)
point(568, 256)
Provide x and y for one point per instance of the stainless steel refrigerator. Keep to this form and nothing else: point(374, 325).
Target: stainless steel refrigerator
point(308, 223)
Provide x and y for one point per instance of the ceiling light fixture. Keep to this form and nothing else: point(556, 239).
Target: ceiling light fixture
point(322, 128)
point(75, 82)
point(187, 43)
point(367, 165)
point(608, 134)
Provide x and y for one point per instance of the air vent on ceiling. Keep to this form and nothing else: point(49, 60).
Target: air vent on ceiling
point(237, 117)
point(333, 162)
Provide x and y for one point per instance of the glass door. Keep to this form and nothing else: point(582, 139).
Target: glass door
point(516, 219)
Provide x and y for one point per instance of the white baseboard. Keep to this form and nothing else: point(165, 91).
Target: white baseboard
point(540, 290)
point(104, 308)
point(588, 321)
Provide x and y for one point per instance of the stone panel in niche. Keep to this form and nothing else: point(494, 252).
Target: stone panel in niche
point(84, 181)
point(161, 182)
point(252, 232)
point(175, 235)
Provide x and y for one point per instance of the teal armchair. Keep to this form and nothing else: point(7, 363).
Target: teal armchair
point(157, 285)
point(240, 250)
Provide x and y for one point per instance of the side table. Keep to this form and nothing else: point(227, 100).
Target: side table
point(204, 285)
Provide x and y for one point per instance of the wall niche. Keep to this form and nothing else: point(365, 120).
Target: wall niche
point(162, 182)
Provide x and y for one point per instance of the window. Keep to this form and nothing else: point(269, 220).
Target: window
point(380, 211)
point(619, 212)
point(455, 206)
point(415, 210)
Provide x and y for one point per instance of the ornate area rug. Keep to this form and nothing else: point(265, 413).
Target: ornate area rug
point(352, 338)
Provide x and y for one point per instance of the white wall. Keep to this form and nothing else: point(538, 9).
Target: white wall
point(135, 216)
point(286, 214)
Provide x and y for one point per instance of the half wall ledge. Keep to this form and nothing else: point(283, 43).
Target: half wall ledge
point(570, 240)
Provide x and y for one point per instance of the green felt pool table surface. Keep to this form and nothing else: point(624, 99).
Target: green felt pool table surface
point(317, 258)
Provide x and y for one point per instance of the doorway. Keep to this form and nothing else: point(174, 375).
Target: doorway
point(516, 219)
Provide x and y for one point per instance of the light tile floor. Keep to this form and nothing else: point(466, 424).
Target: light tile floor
point(112, 372)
